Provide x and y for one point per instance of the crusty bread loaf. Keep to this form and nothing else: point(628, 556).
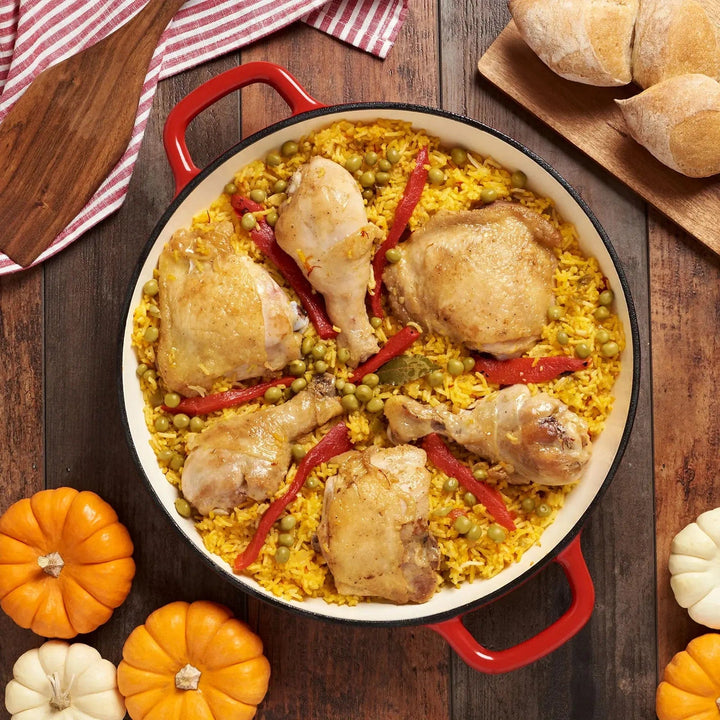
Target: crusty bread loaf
point(678, 121)
point(588, 41)
point(674, 37)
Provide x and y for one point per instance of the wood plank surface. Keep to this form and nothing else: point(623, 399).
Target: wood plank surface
point(589, 118)
point(59, 329)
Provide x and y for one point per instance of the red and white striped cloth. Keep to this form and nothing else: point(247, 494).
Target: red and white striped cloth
point(35, 34)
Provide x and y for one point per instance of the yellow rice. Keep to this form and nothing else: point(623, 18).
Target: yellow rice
point(578, 284)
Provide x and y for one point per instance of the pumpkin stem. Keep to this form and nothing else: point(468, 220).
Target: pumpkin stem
point(60, 699)
point(51, 563)
point(187, 678)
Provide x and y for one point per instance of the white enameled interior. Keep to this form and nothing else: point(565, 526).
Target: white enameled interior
point(453, 132)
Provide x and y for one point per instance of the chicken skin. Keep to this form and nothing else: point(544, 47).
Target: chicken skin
point(324, 227)
point(536, 437)
point(374, 527)
point(480, 277)
point(222, 315)
point(248, 456)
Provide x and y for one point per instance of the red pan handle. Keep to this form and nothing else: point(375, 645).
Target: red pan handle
point(490, 661)
point(181, 163)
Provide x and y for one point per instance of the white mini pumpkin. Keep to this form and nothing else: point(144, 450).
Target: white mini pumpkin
point(695, 568)
point(63, 681)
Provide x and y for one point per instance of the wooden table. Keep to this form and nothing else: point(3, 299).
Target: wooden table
point(60, 424)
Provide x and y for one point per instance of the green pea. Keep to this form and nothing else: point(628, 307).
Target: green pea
point(469, 499)
point(297, 368)
point(479, 473)
point(555, 312)
point(436, 176)
point(376, 322)
point(288, 523)
point(181, 421)
point(177, 461)
point(298, 384)
point(230, 188)
point(164, 456)
point(367, 179)
point(606, 297)
point(518, 179)
point(311, 483)
point(286, 539)
point(273, 159)
point(320, 367)
point(363, 393)
point(462, 524)
point(258, 195)
point(183, 507)
point(368, 194)
point(450, 485)
point(348, 388)
point(371, 380)
point(153, 311)
point(271, 217)
point(289, 148)
point(496, 533)
point(141, 369)
point(282, 555)
point(151, 334)
point(350, 403)
point(610, 349)
point(562, 338)
point(602, 313)
point(582, 350)
point(151, 287)
point(248, 221)
point(353, 163)
point(149, 375)
point(340, 383)
point(468, 363)
point(273, 394)
point(162, 424)
point(459, 156)
point(436, 378)
point(171, 399)
point(382, 178)
point(543, 510)
point(371, 157)
point(602, 336)
point(298, 452)
point(488, 195)
point(308, 344)
point(393, 155)
point(455, 367)
point(474, 533)
point(384, 164)
point(393, 255)
point(318, 351)
point(343, 355)
point(280, 186)
point(196, 424)
point(375, 405)
point(528, 504)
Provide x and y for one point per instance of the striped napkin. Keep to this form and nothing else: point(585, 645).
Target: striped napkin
point(37, 33)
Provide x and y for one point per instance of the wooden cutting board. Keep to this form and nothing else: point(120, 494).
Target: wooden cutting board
point(589, 118)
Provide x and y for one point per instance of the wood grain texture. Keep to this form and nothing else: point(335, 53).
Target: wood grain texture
point(69, 129)
point(589, 118)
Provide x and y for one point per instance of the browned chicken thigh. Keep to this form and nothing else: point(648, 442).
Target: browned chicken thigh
point(222, 315)
point(374, 527)
point(480, 277)
point(248, 456)
point(537, 437)
point(323, 226)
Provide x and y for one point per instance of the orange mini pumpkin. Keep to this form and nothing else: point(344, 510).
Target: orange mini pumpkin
point(193, 662)
point(65, 562)
point(690, 688)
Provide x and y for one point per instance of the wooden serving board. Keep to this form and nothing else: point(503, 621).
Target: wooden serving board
point(589, 118)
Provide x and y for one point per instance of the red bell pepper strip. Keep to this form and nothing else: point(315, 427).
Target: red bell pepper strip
point(403, 212)
point(225, 399)
point(396, 345)
point(527, 369)
point(444, 460)
point(264, 238)
point(336, 441)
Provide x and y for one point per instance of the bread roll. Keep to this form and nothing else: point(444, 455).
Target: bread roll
point(678, 121)
point(674, 37)
point(588, 41)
